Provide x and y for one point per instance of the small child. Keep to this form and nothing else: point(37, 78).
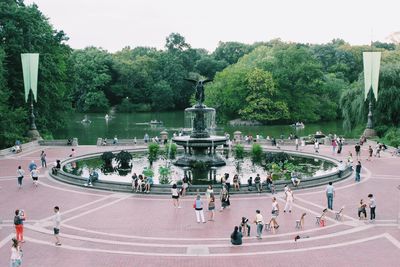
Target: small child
point(322, 221)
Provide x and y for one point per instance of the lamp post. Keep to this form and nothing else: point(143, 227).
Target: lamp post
point(30, 66)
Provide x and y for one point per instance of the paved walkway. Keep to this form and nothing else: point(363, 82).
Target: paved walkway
point(116, 229)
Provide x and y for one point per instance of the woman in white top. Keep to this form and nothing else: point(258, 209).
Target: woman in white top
point(175, 196)
point(20, 176)
point(16, 254)
point(209, 191)
point(35, 176)
point(289, 200)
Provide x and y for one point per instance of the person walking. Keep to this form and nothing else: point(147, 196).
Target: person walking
point(358, 171)
point(19, 219)
point(211, 206)
point(275, 213)
point(56, 225)
point(20, 176)
point(43, 159)
point(259, 221)
point(224, 196)
point(236, 237)
point(16, 254)
point(357, 148)
point(198, 207)
point(289, 201)
point(372, 206)
point(330, 194)
point(35, 176)
point(32, 166)
point(175, 196)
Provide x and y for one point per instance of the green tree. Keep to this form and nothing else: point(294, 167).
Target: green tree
point(231, 51)
point(95, 102)
point(260, 105)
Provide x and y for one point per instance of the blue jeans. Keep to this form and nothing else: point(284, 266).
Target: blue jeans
point(330, 201)
point(259, 229)
point(358, 177)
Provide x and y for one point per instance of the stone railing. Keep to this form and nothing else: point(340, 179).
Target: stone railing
point(24, 146)
point(59, 142)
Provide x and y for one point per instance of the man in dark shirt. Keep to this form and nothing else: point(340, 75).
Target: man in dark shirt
point(358, 151)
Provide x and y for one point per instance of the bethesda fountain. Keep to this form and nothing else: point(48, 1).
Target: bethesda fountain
point(200, 147)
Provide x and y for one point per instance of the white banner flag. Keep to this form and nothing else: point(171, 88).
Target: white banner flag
point(372, 62)
point(30, 66)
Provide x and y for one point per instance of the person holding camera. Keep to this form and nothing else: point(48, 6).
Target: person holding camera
point(245, 225)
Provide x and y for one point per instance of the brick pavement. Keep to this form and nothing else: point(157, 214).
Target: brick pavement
point(116, 229)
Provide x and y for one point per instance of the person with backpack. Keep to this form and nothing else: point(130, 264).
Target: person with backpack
point(19, 219)
point(198, 207)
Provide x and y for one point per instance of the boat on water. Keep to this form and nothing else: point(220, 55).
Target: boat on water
point(298, 125)
point(152, 122)
point(86, 120)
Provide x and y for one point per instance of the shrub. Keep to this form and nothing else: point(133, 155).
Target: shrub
point(123, 158)
point(107, 157)
point(165, 174)
point(256, 154)
point(239, 152)
point(154, 149)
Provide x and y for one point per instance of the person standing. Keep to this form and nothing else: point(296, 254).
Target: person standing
point(175, 196)
point(198, 207)
point(257, 182)
point(16, 254)
point(209, 191)
point(224, 195)
point(259, 221)
point(297, 143)
point(334, 145)
point(32, 166)
point(340, 145)
point(361, 210)
point(358, 171)
point(316, 146)
point(185, 185)
point(236, 237)
point(372, 206)
point(43, 159)
point(19, 219)
point(330, 194)
point(275, 213)
point(56, 225)
point(211, 206)
point(289, 200)
point(35, 176)
point(370, 152)
point(20, 176)
point(357, 148)
point(227, 181)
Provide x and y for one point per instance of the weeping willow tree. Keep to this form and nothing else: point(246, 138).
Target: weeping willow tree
point(354, 110)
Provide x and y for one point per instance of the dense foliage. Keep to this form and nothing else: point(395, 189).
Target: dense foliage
point(270, 82)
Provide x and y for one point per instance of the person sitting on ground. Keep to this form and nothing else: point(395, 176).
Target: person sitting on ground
point(236, 184)
point(139, 187)
point(244, 224)
point(322, 220)
point(250, 183)
point(148, 184)
point(236, 237)
point(93, 176)
point(295, 179)
point(104, 141)
point(69, 142)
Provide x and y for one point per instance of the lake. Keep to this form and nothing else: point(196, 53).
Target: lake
point(124, 125)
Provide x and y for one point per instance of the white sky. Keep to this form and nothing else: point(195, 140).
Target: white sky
point(114, 24)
